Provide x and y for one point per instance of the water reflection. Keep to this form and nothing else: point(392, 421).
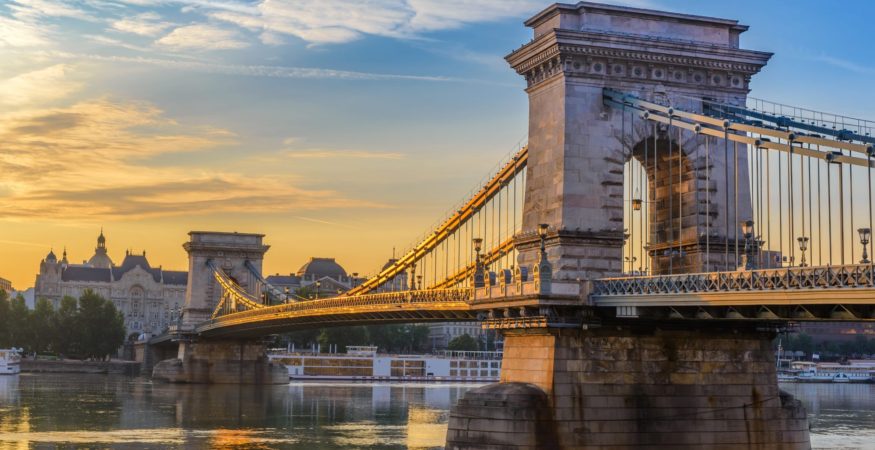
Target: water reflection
point(118, 412)
point(841, 416)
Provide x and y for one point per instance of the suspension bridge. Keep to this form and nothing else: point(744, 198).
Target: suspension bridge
point(657, 230)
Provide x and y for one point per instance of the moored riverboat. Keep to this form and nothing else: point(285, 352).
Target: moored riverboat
point(10, 361)
point(855, 371)
point(363, 363)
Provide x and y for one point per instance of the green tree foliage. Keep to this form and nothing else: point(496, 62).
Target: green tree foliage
point(407, 338)
point(4, 319)
point(90, 327)
point(464, 342)
point(19, 331)
point(343, 337)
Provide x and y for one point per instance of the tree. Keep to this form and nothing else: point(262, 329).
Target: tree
point(102, 326)
point(68, 333)
point(42, 321)
point(19, 331)
point(4, 319)
point(342, 337)
point(464, 343)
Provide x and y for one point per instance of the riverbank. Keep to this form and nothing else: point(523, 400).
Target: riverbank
point(115, 367)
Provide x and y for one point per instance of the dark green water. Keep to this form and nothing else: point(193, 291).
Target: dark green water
point(98, 411)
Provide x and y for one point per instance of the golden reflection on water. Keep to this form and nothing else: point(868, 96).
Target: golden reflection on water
point(99, 411)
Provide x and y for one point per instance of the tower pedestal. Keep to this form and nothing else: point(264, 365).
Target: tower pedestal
point(221, 362)
point(693, 386)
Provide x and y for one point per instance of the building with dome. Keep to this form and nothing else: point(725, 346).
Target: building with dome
point(322, 276)
point(149, 298)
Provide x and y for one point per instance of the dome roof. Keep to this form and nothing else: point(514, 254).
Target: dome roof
point(389, 264)
point(51, 256)
point(100, 260)
point(322, 267)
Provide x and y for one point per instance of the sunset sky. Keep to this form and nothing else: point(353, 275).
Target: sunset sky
point(336, 127)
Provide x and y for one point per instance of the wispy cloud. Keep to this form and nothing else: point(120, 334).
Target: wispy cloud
point(340, 154)
point(36, 87)
point(146, 24)
point(843, 64)
point(339, 21)
point(256, 70)
point(202, 37)
point(86, 162)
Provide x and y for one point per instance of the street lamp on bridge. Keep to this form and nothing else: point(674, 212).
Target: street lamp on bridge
point(479, 276)
point(803, 245)
point(865, 234)
point(747, 232)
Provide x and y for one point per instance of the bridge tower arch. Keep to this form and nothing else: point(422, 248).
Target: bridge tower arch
point(228, 252)
point(574, 175)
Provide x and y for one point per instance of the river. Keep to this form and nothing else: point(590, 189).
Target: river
point(88, 411)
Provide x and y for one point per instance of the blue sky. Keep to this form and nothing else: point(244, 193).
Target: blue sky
point(338, 128)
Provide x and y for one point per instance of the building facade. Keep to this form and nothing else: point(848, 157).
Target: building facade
point(318, 278)
point(149, 298)
point(6, 286)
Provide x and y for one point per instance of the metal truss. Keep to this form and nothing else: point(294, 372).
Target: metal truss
point(407, 306)
point(451, 225)
point(845, 293)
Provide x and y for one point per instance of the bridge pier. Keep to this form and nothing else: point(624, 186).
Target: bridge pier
point(633, 386)
point(221, 361)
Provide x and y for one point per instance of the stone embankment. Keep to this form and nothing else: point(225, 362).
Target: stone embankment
point(115, 367)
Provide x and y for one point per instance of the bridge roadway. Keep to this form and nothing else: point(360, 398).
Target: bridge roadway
point(838, 293)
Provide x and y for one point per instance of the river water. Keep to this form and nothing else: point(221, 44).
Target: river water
point(99, 411)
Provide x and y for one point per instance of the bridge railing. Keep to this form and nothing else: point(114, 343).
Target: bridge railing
point(368, 300)
point(787, 278)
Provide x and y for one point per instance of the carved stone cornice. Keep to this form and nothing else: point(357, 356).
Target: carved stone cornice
point(624, 57)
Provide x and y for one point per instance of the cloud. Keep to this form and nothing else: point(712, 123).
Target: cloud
point(15, 33)
point(257, 70)
point(37, 87)
point(342, 154)
point(843, 64)
point(89, 161)
point(30, 10)
point(146, 24)
point(202, 37)
point(340, 21)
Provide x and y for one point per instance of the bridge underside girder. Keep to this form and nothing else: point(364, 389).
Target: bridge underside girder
point(283, 323)
point(793, 312)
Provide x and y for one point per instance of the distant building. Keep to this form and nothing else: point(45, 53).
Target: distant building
point(149, 298)
point(837, 331)
point(322, 275)
point(6, 286)
point(440, 334)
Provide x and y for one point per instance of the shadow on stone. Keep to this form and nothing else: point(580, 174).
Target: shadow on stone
point(505, 416)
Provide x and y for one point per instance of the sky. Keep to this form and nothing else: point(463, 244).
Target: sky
point(337, 128)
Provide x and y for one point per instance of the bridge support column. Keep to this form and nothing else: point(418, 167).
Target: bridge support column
point(221, 361)
point(633, 387)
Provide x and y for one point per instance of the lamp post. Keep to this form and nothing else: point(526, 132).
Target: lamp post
point(545, 269)
point(747, 232)
point(413, 276)
point(865, 234)
point(318, 286)
point(803, 245)
point(479, 278)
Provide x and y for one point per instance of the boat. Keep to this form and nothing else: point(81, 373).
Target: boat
point(10, 361)
point(363, 363)
point(854, 372)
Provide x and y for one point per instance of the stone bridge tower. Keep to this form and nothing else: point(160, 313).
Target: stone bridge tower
point(578, 146)
point(619, 382)
point(217, 360)
point(228, 252)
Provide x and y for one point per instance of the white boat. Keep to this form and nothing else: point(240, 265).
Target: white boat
point(10, 361)
point(855, 372)
point(364, 364)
